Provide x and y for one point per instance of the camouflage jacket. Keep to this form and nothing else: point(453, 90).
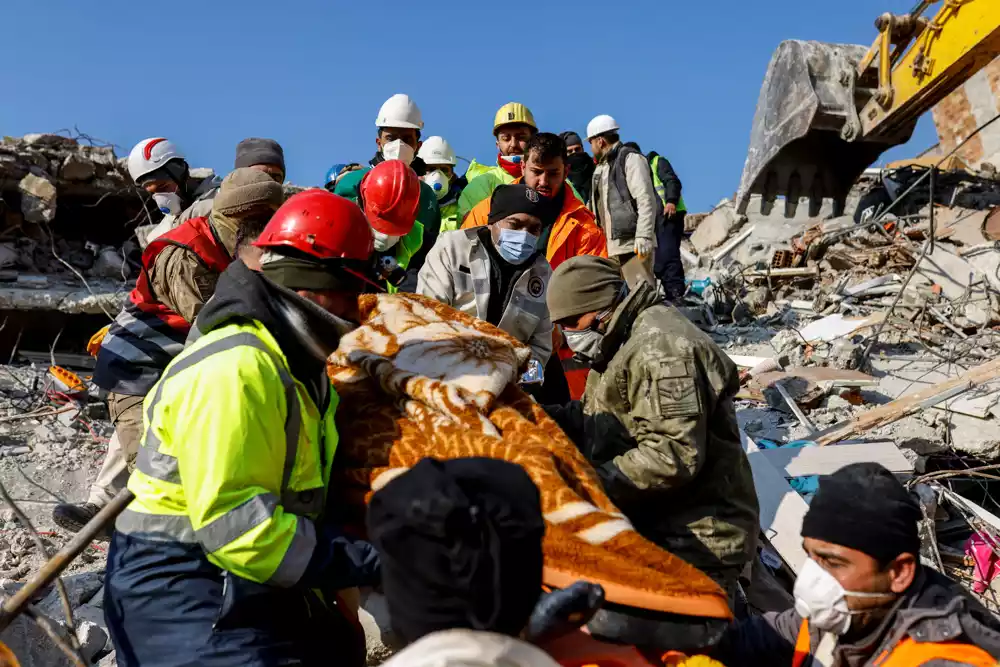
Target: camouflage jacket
point(658, 423)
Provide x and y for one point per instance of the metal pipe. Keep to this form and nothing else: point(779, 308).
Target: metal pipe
point(16, 603)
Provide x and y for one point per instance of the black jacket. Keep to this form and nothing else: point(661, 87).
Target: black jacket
point(581, 171)
point(671, 183)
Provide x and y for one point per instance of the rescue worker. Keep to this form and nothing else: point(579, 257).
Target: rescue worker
point(439, 157)
point(226, 556)
point(157, 166)
point(497, 273)
point(863, 598)
point(394, 200)
point(513, 126)
point(657, 419)
point(622, 194)
point(579, 163)
point(575, 232)
point(180, 269)
point(667, 265)
point(398, 138)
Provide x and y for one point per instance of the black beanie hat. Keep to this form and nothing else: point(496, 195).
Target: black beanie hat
point(864, 507)
point(519, 198)
point(259, 151)
point(460, 543)
point(571, 138)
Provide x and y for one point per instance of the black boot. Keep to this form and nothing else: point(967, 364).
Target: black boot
point(74, 517)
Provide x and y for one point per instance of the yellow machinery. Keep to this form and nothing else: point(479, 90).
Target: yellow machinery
point(827, 111)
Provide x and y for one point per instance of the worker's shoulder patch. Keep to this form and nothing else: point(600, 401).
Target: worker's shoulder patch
point(536, 286)
point(676, 390)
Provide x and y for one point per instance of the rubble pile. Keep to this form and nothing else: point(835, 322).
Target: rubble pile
point(878, 332)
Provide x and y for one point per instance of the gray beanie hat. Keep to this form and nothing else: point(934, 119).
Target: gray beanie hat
point(583, 284)
point(259, 151)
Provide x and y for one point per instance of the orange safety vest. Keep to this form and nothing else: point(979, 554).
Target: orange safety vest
point(908, 653)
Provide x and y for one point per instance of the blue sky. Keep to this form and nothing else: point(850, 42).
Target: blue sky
point(682, 78)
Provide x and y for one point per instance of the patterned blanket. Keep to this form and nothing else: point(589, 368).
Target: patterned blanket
point(420, 379)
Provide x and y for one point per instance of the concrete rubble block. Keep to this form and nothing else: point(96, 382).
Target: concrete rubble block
point(8, 255)
point(80, 588)
point(93, 639)
point(101, 155)
point(31, 646)
point(201, 173)
point(108, 661)
point(717, 227)
point(75, 168)
point(38, 196)
point(109, 264)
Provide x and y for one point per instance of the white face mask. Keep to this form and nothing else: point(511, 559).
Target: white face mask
point(515, 159)
point(586, 343)
point(169, 202)
point(438, 180)
point(384, 241)
point(397, 149)
point(821, 599)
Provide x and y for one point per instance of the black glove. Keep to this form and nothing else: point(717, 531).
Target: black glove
point(563, 611)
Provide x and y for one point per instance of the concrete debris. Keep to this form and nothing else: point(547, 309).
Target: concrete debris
point(38, 196)
point(717, 227)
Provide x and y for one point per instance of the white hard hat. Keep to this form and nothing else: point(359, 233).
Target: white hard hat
point(399, 111)
point(149, 155)
point(600, 125)
point(435, 150)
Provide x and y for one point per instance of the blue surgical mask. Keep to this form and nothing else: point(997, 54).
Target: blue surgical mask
point(516, 245)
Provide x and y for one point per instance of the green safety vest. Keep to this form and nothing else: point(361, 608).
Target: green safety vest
point(406, 248)
point(661, 189)
point(211, 470)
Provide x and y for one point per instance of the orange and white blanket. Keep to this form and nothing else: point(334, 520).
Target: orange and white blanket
point(420, 379)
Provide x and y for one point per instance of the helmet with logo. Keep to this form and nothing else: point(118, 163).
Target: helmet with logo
point(151, 154)
point(390, 196)
point(511, 113)
point(399, 111)
point(435, 150)
point(320, 224)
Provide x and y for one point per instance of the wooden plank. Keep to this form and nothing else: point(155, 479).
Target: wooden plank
point(798, 462)
point(781, 508)
point(906, 405)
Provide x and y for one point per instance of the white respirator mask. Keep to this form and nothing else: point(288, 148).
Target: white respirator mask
point(439, 182)
point(821, 599)
point(397, 149)
point(169, 203)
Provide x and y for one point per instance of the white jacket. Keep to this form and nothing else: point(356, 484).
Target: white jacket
point(457, 273)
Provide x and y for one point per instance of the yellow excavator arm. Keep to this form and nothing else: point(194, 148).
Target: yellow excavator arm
point(827, 111)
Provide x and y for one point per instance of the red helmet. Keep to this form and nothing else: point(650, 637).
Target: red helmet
point(321, 224)
point(391, 196)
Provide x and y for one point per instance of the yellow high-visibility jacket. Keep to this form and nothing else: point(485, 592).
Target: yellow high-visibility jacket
point(236, 457)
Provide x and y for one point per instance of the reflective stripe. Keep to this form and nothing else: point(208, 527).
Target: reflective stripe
point(237, 522)
point(158, 465)
point(142, 330)
point(165, 527)
point(293, 564)
point(124, 349)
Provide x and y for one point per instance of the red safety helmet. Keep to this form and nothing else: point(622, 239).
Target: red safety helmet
point(319, 223)
point(390, 193)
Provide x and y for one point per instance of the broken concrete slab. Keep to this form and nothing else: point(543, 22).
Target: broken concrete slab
point(31, 645)
point(837, 326)
point(717, 227)
point(38, 196)
point(80, 588)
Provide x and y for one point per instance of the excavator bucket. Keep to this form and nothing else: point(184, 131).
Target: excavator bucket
point(805, 141)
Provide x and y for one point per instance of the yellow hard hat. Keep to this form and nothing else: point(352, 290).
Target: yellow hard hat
point(513, 112)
